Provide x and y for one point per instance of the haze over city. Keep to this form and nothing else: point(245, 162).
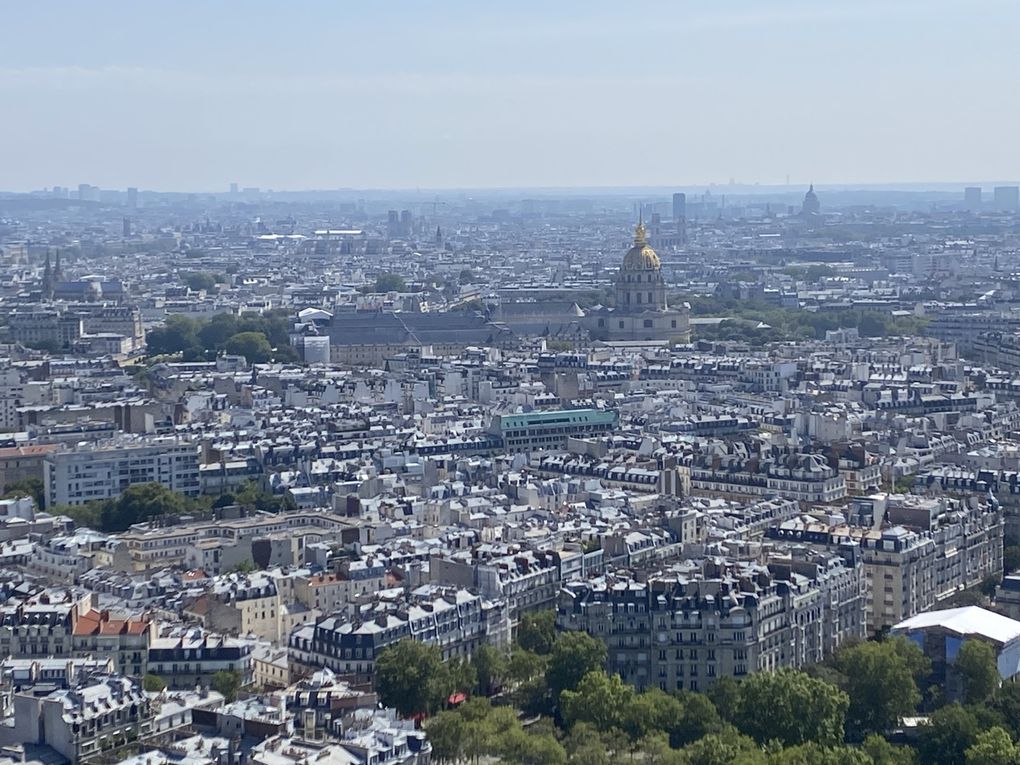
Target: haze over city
point(488, 383)
point(191, 96)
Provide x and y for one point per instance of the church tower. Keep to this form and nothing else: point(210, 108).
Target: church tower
point(639, 285)
point(811, 204)
point(47, 279)
point(641, 313)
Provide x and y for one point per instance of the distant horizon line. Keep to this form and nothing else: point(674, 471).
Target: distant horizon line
point(745, 188)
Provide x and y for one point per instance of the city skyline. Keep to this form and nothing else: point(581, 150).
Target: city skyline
point(319, 97)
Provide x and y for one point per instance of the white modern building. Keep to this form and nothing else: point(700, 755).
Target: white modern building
point(77, 476)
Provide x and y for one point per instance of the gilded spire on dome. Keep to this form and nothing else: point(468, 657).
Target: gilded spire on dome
point(640, 235)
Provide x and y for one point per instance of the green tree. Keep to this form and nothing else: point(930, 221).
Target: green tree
point(411, 678)
point(199, 280)
point(525, 665)
point(178, 334)
point(139, 503)
point(654, 711)
point(537, 632)
point(447, 732)
point(882, 752)
point(1007, 703)
point(993, 747)
point(390, 282)
point(816, 754)
point(213, 334)
point(153, 683)
point(574, 655)
point(700, 717)
point(654, 749)
point(28, 487)
point(526, 675)
point(725, 748)
point(724, 694)
point(254, 346)
point(600, 699)
point(989, 584)
point(490, 664)
point(947, 736)
point(585, 747)
point(460, 676)
point(517, 747)
point(977, 667)
point(227, 682)
point(881, 680)
point(791, 707)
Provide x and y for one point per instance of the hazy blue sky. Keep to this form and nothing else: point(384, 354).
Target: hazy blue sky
point(299, 94)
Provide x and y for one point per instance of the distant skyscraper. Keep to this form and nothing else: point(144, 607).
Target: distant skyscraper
point(233, 188)
point(393, 224)
point(679, 207)
point(132, 197)
point(972, 197)
point(1006, 197)
point(126, 228)
point(88, 193)
point(406, 223)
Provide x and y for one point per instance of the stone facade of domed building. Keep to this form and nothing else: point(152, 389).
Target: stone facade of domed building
point(642, 312)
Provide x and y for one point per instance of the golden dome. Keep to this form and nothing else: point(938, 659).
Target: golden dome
point(640, 257)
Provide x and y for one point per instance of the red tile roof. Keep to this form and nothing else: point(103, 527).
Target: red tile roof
point(100, 623)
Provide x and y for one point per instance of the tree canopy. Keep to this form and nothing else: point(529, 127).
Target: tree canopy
point(881, 679)
point(992, 747)
point(390, 282)
point(410, 677)
point(782, 323)
point(791, 707)
point(978, 670)
point(204, 338)
point(254, 346)
point(29, 487)
point(537, 632)
point(573, 656)
point(227, 682)
point(950, 731)
point(200, 280)
point(138, 503)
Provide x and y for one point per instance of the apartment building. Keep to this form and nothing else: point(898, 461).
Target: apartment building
point(329, 592)
point(23, 463)
point(80, 475)
point(247, 604)
point(124, 641)
point(12, 391)
point(455, 620)
point(805, 478)
point(45, 327)
point(64, 559)
point(191, 657)
point(720, 618)
point(526, 580)
point(144, 552)
point(925, 550)
point(96, 714)
point(42, 625)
